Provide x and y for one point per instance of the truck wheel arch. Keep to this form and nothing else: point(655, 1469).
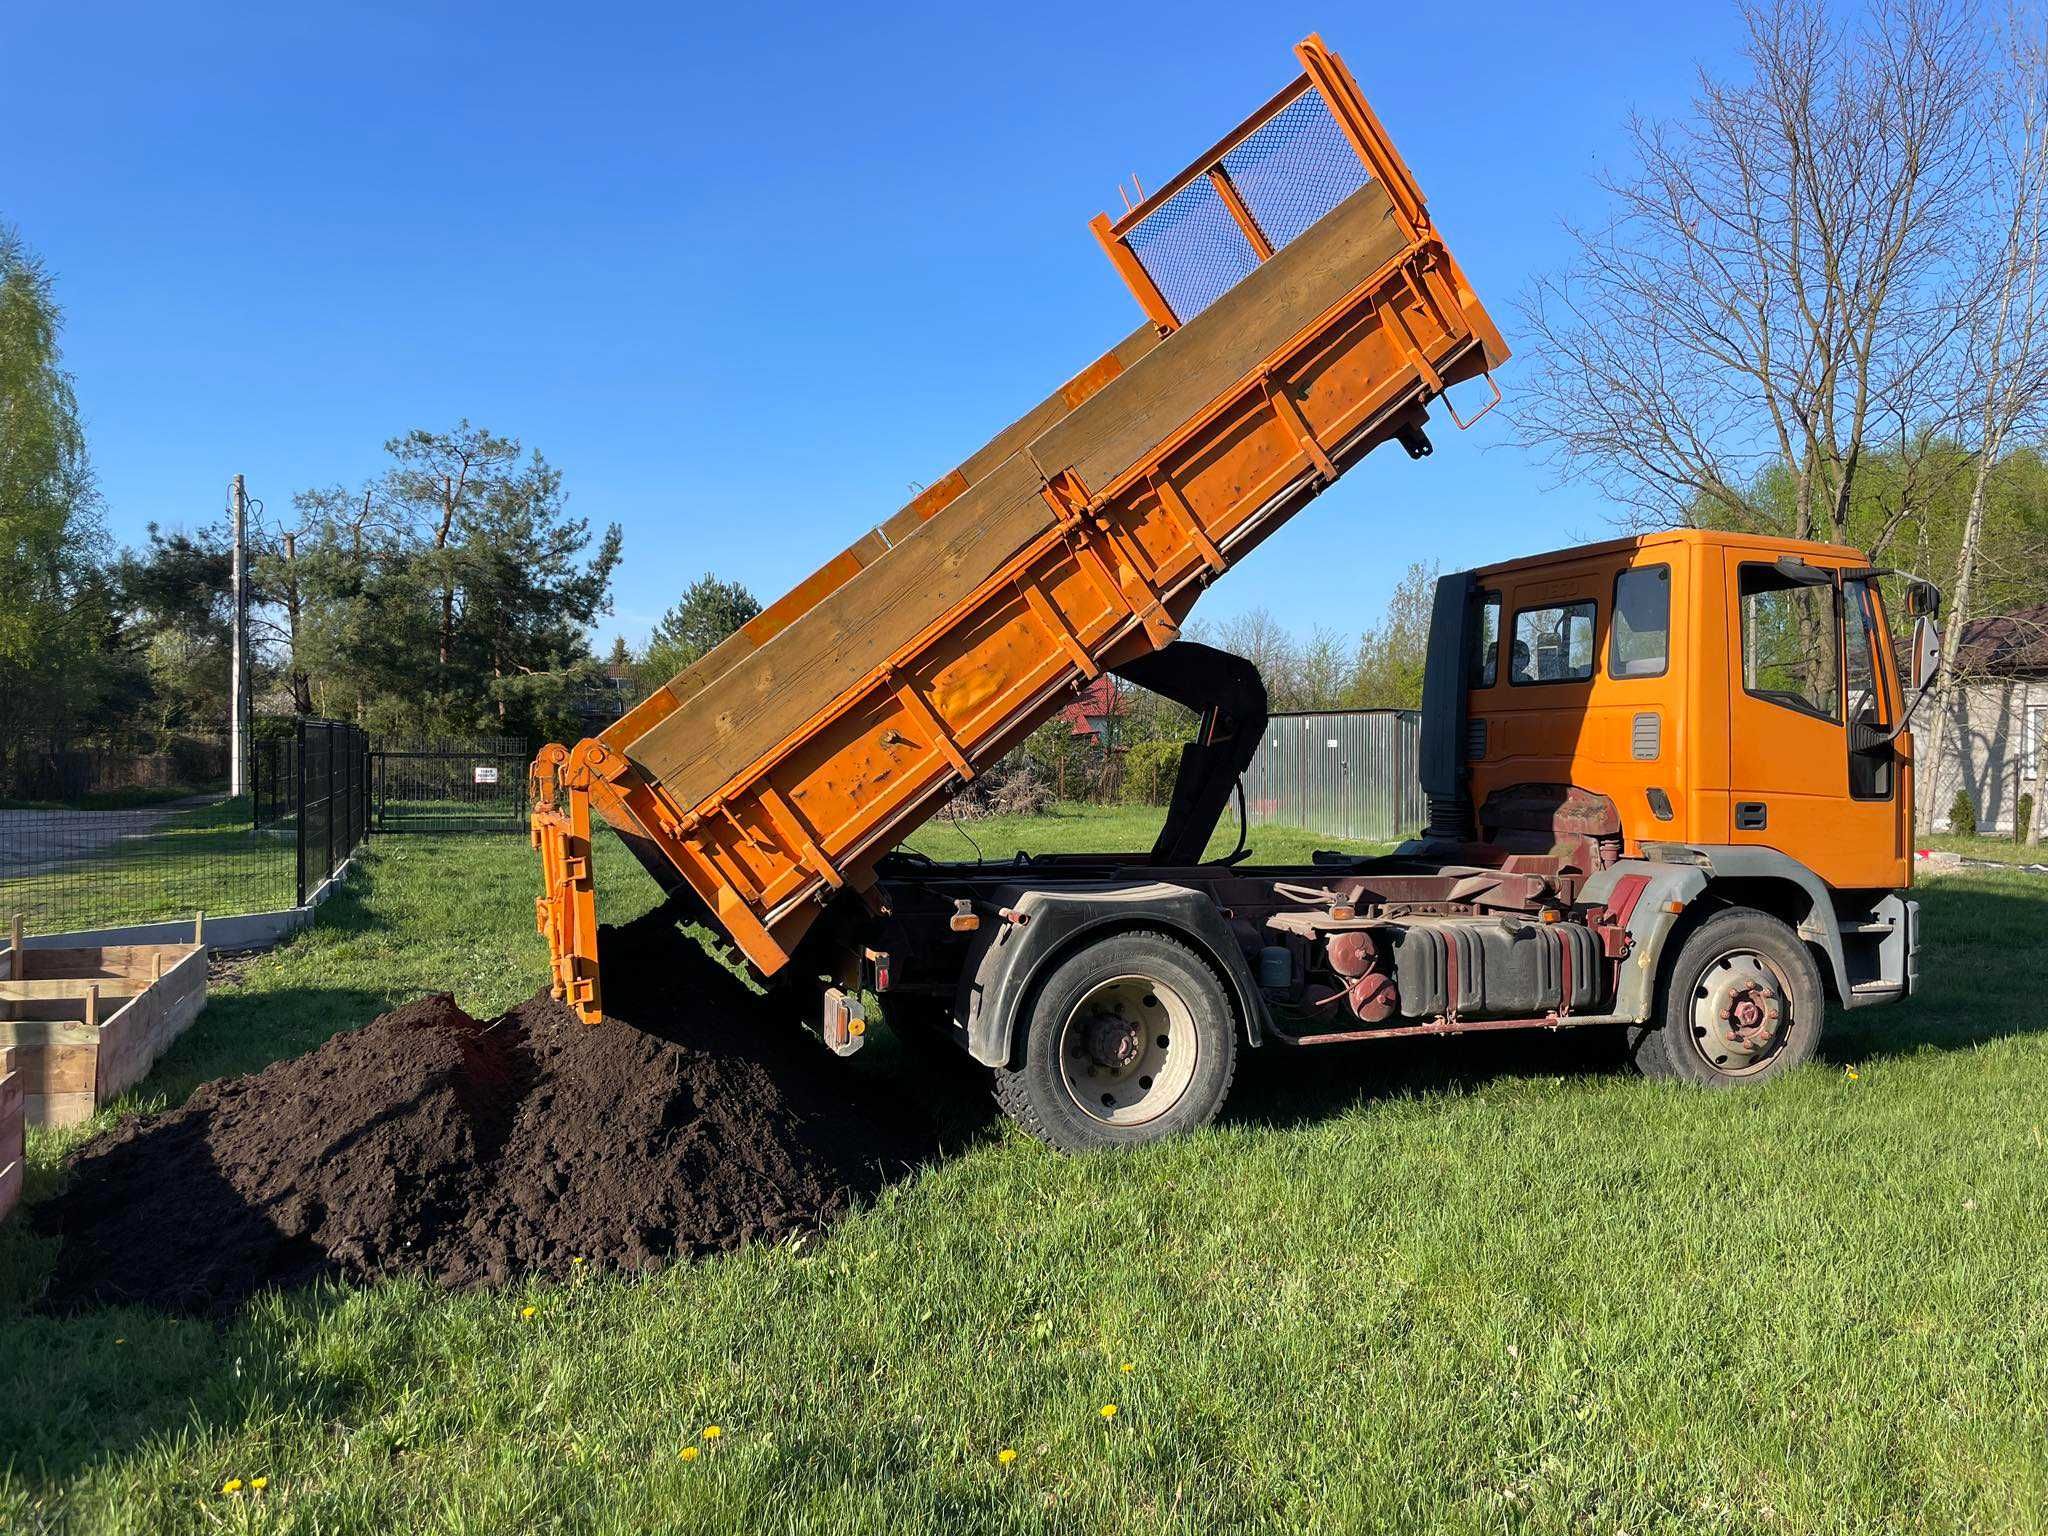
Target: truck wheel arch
point(1706, 878)
point(1000, 986)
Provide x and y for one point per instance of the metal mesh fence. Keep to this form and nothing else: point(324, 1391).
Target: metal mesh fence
point(1288, 172)
point(441, 785)
point(1192, 248)
point(1294, 169)
point(67, 868)
point(333, 799)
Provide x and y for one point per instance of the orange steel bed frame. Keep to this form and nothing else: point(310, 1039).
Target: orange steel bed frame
point(1110, 576)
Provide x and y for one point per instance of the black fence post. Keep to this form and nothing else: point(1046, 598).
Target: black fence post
point(299, 820)
point(328, 872)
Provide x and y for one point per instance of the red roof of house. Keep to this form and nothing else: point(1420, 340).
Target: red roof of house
point(1095, 702)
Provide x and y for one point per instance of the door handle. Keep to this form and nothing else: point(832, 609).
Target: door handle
point(1751, 815)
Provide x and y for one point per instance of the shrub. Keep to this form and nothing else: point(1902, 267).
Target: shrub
point(1962, 816)
point(2024, 819)
point(1149, 771)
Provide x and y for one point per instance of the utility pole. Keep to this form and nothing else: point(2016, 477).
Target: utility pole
point(238, 673)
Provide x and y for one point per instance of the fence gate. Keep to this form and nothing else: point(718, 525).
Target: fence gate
point(449, 786)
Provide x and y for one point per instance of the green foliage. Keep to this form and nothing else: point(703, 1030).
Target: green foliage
point(2024, 818)
point(1149, 771)
point(1962, 815)
point(452, 594)
point(1072, 765)
point(1387, 673)
point(55, 633)
point(707, 612)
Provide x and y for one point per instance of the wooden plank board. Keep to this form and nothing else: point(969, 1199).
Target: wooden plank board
point(56, 1109)
point(62, 1031)
point(645, 719)
point(845, 637)
point(769, 693)
point(133, 1039)
point(12, 1121)
point(1275, 303)
point(94, 962)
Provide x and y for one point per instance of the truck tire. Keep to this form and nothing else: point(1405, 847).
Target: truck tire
point(1128, 1040)
point(1742, 1003)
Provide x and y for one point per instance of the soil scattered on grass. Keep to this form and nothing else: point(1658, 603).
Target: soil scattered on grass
point(692, 1121)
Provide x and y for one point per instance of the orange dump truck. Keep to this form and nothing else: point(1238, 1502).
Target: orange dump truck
point(1301, 309)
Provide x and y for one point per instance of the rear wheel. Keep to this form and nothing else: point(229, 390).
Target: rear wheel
point(1130, 1039)
point(1742, 1003)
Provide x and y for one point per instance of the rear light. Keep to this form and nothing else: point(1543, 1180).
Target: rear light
point(963, 919)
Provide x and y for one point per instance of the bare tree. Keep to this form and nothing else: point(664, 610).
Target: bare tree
point(2006, 381)
point(1780, 291)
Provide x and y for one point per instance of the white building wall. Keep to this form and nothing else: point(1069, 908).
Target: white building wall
point(1992, 752)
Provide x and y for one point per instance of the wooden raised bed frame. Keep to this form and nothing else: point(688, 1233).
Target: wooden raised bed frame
point(10, 1132)
point(86, 1024)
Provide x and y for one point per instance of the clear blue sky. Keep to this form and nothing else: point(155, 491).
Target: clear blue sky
point(744, 274)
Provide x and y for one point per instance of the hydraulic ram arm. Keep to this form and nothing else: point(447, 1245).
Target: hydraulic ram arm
point(566, 909)
point(1302, 308)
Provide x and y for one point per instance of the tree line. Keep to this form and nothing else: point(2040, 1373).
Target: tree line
point(1816, 304)
point(451, 593)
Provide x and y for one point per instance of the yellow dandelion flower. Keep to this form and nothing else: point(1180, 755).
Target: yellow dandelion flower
point(712, 1431)
point(1127, 1367)
point(528, 1311)
point(688, 1453)
point(232, 1485)
point(577, 1260)
point(259, 1483)
point(1854, 1075)
point(1006, 1456)
point(1109, 1410)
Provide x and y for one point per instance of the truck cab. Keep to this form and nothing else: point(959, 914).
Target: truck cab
point(1711, 688)
point(1669, 787)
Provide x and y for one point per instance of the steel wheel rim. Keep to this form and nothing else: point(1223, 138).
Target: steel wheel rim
point(1128, 1050)
point(1741, 1013)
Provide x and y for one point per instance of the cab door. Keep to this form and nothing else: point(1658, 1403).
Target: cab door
point(1789, 768)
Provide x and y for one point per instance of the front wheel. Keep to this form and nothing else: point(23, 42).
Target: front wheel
point(1742, 1003)
point(1129, 1040)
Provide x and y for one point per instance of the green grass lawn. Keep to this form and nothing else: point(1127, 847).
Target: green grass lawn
point(1490, 1284)
point(206, 858)
point(1996, 850)
point(1114, 828)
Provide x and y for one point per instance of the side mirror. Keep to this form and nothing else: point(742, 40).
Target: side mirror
point(1926, 649)
point(1923, 600)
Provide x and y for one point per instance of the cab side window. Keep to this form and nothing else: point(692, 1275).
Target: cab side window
point(1553, 644)
point(1870, 769)
point(1639, 635)
point(1791, 652)
point(1485, 621)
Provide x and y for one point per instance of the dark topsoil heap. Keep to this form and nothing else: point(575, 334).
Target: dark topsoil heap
point(691, 1121)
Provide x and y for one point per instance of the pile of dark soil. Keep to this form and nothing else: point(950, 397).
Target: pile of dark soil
point(691, 1121)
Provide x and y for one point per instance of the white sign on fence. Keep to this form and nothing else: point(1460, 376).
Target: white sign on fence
point(486, 775)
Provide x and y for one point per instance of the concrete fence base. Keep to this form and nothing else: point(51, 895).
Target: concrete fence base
point(248, 930)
